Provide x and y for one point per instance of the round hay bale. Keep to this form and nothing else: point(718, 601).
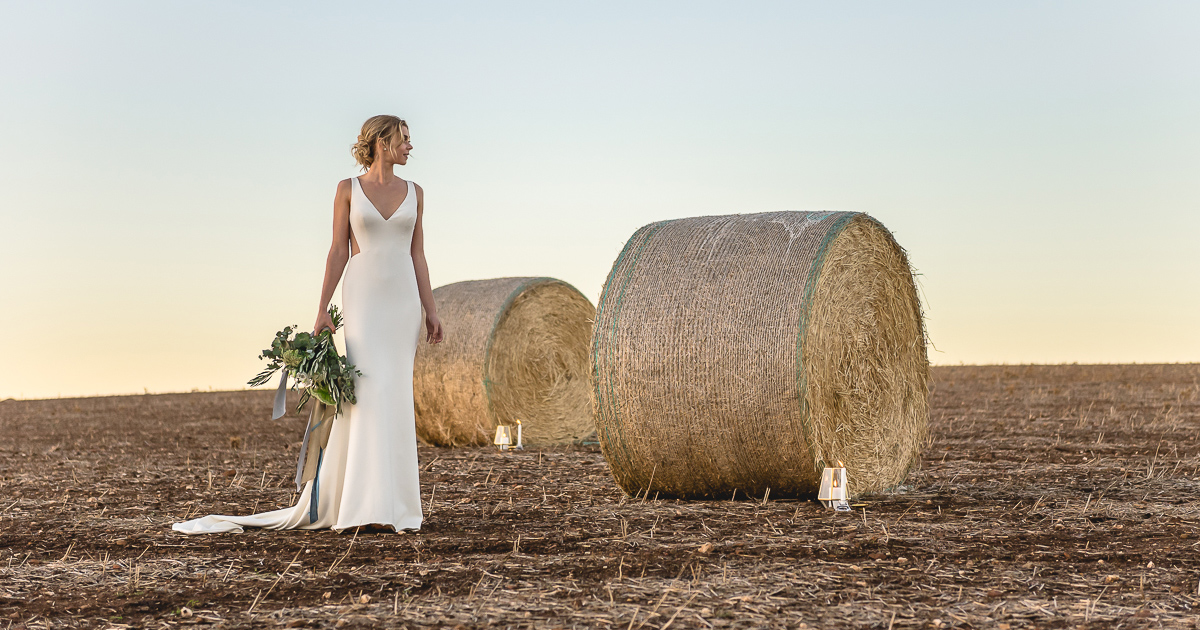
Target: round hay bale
point(514, 349)
point(747, 352)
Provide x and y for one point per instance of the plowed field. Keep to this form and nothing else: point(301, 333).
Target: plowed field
point(1050, 497)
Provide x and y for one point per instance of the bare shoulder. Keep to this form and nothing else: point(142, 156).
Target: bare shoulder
point(420, 191)
point(343, 192)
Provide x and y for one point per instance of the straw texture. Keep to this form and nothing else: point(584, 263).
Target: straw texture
point(514, 349)
point(746, 352)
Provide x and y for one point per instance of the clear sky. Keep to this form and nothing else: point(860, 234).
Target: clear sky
point(167, 169)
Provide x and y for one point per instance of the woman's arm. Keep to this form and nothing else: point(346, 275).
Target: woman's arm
point(433, 324)
point(339, 254)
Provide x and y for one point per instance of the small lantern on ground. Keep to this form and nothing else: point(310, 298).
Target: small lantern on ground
point(504, 437)
point(833, 488)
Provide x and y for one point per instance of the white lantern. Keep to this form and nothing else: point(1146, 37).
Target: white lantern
point(503, 437)
point(833, 488)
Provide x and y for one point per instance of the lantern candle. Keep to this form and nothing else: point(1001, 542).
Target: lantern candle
point(503, 437)
point(833, 491)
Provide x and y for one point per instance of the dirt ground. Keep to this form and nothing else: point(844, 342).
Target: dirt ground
point(1050, 497)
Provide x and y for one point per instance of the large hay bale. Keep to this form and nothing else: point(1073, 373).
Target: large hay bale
point(514, 349)
point(746, 352)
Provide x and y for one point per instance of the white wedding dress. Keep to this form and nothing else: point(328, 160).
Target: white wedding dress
point(369, 472)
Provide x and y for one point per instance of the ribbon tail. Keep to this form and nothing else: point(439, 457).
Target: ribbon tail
point(316, 436)
point(303, 456)
point(315, 497)
point(280, 397)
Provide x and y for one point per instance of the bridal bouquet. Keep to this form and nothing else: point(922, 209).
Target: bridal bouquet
point(314, 362)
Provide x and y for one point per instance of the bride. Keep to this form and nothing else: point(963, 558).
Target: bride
point(368, 475)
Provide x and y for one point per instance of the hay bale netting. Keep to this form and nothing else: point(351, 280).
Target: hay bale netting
point(746, 352)
point(514, 349)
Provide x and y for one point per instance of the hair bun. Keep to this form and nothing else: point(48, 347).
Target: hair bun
point(383, 127)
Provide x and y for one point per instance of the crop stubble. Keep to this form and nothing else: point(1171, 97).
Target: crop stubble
point(1050, 496)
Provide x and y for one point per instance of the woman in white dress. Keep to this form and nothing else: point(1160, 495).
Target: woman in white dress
point(368, 475)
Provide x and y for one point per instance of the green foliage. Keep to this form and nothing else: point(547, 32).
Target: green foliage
point(314, 362)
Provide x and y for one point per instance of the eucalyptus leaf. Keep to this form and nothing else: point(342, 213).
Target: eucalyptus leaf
point(323, 395)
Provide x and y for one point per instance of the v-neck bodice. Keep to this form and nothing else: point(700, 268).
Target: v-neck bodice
point(372, 231)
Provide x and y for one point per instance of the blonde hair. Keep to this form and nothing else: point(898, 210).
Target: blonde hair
point(382, 127)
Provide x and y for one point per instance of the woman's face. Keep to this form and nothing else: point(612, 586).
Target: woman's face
point(397, 153)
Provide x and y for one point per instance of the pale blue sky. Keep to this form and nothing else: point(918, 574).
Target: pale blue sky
point(167, 169)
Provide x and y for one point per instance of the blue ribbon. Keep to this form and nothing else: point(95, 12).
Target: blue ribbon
point(315, 497)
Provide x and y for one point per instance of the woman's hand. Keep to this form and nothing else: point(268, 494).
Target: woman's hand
point(323, 321)
point(433, 327)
